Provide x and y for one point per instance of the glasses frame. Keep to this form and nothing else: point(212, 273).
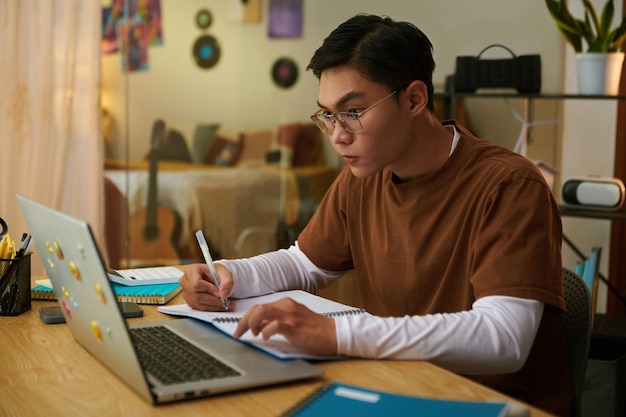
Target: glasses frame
point(320, 117)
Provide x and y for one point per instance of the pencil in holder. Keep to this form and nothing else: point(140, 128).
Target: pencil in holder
point(15, 285)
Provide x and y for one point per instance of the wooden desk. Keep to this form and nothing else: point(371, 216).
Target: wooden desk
point(44, 372)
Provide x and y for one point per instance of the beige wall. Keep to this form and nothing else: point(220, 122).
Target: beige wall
point(238, 91)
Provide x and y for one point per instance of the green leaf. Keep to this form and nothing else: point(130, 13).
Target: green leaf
point(597, 31)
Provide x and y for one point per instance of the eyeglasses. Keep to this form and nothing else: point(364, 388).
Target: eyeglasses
point(349, 120)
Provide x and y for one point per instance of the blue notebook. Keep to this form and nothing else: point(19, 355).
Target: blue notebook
point(341, 400)
point(140, 294)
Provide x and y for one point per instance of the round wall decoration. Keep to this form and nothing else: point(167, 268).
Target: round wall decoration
point(204, 18)
point(284, 72)
point(206, 51)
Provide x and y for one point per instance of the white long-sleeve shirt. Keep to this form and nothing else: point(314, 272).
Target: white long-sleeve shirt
point(495, 336)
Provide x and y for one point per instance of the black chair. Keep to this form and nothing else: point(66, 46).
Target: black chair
point(577, 326)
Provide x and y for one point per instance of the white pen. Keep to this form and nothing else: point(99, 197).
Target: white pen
point(204, 247)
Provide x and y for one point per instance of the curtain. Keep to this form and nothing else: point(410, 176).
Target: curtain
point(51, 147)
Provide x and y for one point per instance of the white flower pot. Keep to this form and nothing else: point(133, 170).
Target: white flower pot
point(599, 73)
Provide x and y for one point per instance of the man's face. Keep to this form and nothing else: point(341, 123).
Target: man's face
point(385, 128)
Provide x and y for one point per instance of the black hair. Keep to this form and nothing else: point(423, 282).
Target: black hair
point(381, 49)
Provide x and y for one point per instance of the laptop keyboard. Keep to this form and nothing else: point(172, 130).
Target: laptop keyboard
point(173, 360)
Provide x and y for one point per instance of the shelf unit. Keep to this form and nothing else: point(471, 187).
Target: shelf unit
point(449, 98)
point(449, 102)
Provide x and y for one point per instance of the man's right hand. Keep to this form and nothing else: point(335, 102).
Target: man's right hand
point(199, 291)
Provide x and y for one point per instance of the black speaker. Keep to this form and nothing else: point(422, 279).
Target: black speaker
point(520, 72)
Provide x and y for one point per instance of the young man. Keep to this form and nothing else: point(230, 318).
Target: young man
point(455, 242)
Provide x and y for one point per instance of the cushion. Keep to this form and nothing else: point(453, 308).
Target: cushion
point(305, 142)
point(308, 150)
point(229, 155)
point(174, 147)
point(223, 152)
point(203, 137)
point(254, 146)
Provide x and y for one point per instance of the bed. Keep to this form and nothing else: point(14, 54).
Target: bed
point(243, 211)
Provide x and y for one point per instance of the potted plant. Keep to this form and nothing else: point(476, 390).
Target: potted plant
point(602, 40)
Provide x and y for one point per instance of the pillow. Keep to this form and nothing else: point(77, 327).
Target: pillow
point(223, 151)
point(229, 155)
point(305, 142)
point(254, 146)
point(174, 147)
point(203, 137)
point(288, 134)
point(309, 149)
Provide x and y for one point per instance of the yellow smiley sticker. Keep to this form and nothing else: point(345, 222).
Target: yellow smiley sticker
point(75, 272)
point(65, 292)
point(95, 329)
point(100, 293)
point(57, 249)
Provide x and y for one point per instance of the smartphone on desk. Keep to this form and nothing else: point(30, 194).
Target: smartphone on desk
point(54, 314)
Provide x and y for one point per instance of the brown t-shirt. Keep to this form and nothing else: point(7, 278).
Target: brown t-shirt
point(485, 223)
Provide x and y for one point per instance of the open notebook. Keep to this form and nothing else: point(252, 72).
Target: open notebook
point(276, 345)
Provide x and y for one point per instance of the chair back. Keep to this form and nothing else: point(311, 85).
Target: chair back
point(577, 326)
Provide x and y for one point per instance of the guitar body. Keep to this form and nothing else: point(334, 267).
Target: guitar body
point(151, 246)
point(154, 230)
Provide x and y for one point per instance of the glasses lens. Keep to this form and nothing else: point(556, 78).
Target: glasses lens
point(319, 122)
point(350, 121)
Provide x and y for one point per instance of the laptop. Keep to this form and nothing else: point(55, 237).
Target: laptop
point(74, 264)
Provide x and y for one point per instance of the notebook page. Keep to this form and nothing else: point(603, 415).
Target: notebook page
point(277, 345)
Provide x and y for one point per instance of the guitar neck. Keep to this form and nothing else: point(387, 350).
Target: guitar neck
point(151, 230)
point(151, 203)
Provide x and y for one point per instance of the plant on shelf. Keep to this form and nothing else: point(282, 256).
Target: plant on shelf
point(599, 67)
point(597, 31)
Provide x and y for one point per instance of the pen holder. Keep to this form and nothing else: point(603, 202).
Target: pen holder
point(15, 285)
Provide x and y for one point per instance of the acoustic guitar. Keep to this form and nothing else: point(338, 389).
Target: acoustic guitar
point(154, 229)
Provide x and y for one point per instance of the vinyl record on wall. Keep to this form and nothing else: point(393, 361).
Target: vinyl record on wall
point(204, 18)
point(284, 72)
point(206, 51)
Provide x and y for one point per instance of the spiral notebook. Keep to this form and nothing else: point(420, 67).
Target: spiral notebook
point(339, 400)
point(276, 345)
point(140, 294)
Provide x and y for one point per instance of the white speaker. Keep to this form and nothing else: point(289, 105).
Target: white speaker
point(598, 192)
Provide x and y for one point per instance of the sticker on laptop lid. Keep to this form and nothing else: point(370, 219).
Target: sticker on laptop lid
point(95, 329)
point(75, 272)
point(58, 250)
point(100, 292)
point(66, 308)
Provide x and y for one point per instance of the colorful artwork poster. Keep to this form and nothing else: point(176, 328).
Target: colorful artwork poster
point(285, 19)
point(133, 45)
point(109, 30)
point(138, 11)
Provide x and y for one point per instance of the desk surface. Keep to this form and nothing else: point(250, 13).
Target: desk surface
point(43, 372)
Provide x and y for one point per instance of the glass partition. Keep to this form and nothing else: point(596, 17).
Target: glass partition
point(206, 125)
